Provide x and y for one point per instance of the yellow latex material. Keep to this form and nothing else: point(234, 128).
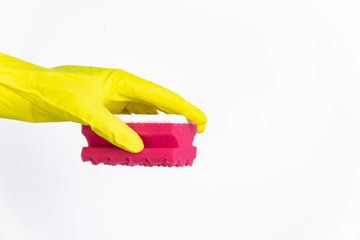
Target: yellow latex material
point(86, 95)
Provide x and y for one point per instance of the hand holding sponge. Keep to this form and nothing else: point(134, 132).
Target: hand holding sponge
point(87, 95)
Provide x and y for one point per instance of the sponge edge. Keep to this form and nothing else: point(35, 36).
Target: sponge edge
point(167, 141)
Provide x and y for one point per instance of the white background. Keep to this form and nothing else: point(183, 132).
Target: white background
point(278, 80)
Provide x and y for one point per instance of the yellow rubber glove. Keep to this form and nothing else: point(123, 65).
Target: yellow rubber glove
point(86, 95)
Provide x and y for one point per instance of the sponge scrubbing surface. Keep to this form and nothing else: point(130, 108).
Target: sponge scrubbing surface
point(167, 142)
point(152, 118)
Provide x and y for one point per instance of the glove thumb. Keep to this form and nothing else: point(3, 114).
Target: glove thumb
point(107, 125)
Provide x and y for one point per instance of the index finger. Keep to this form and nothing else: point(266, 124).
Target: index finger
point(165, 100)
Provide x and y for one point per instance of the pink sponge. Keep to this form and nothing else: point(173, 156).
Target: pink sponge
point(167, 142)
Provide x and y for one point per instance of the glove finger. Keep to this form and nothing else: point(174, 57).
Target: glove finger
point(200, 127)
point(108, 126)
point(105, 124)
point(160, 97)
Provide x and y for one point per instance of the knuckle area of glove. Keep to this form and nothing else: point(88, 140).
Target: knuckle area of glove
point(120, 86)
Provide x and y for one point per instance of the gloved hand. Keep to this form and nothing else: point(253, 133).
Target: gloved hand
point(86, 95)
